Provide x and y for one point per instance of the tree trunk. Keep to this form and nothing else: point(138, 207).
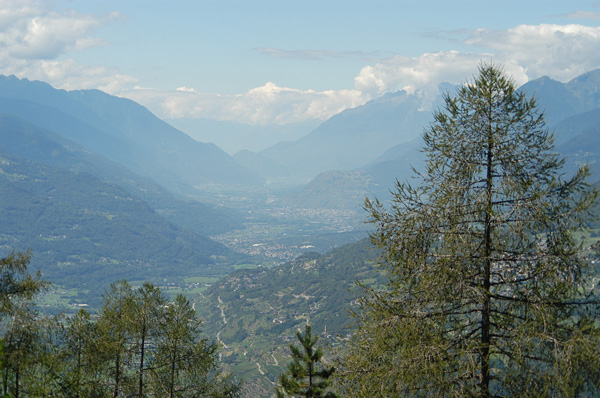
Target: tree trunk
point(141, 387)
point(172, 386)
point(487, 265)
point(117, 376)
point(78, 375)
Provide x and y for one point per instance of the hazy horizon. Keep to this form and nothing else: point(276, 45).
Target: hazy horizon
point(279, 62)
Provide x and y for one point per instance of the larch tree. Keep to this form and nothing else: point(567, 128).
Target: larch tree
point(18, 345)
point(148, 309)
point(114, 343)
point(184, 364)
point(82, 364)
point(488, 292)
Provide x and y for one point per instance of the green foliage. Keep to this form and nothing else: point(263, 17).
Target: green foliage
point(257, 312)
point(20, 342)
point(15, 283)
point(135, 346)
point(148, 346)
point(303, 377)
point(488, 294)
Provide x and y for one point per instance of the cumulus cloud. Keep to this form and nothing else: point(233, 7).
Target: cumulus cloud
point(559, 51)
point(30, 29)
point(268, 104)
point(70, 75)
point(34, 36)
point(526, 52)
point(414, 74)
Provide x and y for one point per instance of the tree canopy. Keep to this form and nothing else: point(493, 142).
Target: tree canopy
point(305, 376)
point(488, 292)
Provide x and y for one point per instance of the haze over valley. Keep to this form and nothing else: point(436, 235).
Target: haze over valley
point(236, 172)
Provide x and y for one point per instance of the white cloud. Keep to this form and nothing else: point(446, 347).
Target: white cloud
point(268, 104)
point(186, 89)
point(414, 74)
point(32, 30)
point(526, 52)
point(559, 51)
point(70, 75)
point(34, 36)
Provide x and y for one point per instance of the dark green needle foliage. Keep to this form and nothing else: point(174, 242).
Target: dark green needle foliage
point(305, 377)
point(489, 294)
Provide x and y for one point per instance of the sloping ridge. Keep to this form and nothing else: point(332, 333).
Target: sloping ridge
point(353, 137)
point(123, 131)
point(27, 141)
point(86, 233)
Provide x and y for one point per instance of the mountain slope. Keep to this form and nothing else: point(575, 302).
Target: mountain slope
point(562, 100)
point(123, 131)
point(27, 141)
point(347, 189)
point(580, 142)
point(88, 233)
point(353, 137)
point(255, 313)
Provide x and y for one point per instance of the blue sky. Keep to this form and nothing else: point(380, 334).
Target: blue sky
point(281, 61)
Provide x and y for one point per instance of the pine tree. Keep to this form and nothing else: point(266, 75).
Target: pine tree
point(16, 284)
point(488, 293)
point(303, 377)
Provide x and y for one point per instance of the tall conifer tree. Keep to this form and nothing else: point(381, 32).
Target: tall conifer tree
point(488, 292)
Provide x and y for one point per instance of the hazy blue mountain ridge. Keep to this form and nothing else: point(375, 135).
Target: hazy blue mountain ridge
point(123, 131)
point(87, 233)
point(353, 137)
point(27, 141)
point(234, 137)
point(571, 112)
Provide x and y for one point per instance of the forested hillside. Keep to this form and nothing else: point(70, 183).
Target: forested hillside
point(256, 313)
point(88, 233)
point(40, 145)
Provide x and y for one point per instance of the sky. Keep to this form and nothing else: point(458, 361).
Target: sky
point(268, 62)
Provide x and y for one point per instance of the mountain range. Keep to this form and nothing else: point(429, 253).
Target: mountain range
point(123, 131)
point(78, 186)
point(115, 148)
point(351, 138)
point(100, 189)
point(571, 111)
